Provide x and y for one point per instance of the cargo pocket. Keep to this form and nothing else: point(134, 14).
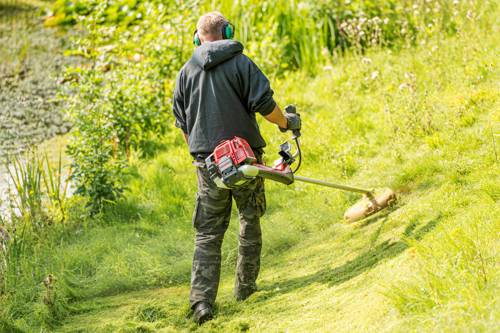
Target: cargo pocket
point(260, 203)
point(260, 198)
point(196, 213)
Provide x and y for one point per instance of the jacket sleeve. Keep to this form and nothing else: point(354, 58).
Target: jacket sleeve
point(178, 104)
point(256, 90)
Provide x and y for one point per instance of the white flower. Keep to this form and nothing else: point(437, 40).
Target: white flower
point(403, 86)
point(410, 75)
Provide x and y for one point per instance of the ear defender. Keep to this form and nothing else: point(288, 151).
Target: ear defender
point(196, 38)
point(228, 31)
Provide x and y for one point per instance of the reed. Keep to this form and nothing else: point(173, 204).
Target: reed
point(37, 199)
point(38, 188)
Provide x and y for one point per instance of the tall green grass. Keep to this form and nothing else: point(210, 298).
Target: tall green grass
point(456, 282)
point(35, 214)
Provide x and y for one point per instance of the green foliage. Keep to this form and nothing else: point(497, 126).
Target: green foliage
point(284, 35)
point(456, 278)
point(39, 190)
point(150, 313)
point(120, 97)
point(117, 98)
point(37, 202)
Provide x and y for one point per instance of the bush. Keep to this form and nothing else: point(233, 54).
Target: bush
point(117, 98)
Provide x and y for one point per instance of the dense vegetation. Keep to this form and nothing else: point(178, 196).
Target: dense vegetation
point(135, 48)
point(415, 108)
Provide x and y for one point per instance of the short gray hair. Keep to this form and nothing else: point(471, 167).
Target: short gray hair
point(211, 24)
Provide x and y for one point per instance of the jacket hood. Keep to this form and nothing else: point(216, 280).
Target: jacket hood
point(211, 54)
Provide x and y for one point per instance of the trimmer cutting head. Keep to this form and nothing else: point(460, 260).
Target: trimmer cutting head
point(370, 204)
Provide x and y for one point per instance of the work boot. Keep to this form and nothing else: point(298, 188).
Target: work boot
point(202, 312)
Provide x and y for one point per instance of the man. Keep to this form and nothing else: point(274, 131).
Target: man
point(218, 93)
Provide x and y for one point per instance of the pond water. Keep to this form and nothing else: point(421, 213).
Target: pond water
point(31, 64)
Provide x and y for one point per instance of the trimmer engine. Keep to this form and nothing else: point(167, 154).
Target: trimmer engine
point(227, 157)
point(233, 164)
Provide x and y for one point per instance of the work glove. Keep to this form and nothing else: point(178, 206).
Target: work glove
point(293, 122)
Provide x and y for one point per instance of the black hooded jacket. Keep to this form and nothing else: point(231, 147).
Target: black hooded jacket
point(217, 95)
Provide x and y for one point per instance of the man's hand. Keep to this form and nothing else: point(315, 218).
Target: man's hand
point(293, 122)
point(285, 122)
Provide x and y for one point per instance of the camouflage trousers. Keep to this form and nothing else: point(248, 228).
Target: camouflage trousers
point(211, 220)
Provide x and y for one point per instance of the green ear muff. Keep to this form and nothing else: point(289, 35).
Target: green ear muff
point(228, 31)
point(196, 38)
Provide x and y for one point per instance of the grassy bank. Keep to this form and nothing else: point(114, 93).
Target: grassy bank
point(423, 121)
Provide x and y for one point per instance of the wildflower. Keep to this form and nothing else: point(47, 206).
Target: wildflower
point(410, 75)
point(366, 61)
point(403, 86)
point(303, 6)
point(137, 57)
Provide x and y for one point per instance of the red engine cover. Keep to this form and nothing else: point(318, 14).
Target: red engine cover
point(237, 149)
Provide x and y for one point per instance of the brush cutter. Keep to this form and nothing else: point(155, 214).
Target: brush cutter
point(233, 163)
